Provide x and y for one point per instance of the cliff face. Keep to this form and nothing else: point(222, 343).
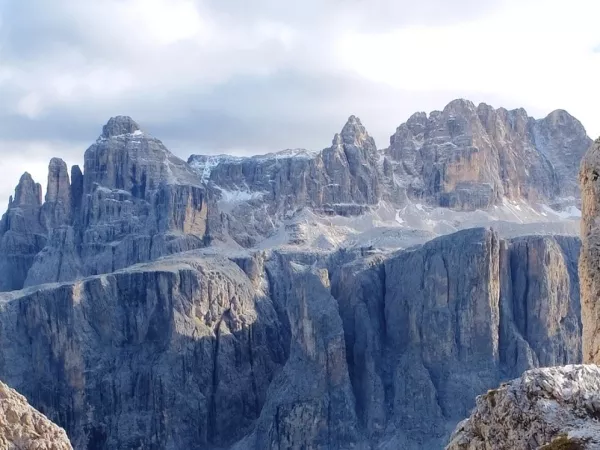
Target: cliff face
point(429, 329)
point(590, 254)
point(291, 350)
point(135, 201)
point(465, 157)
point(24, 428)
point(22, 234)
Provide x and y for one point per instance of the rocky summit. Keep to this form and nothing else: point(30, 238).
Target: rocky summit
point(352, 297)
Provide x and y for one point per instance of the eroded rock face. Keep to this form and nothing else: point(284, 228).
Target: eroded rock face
point(135, 202)
point(168, 356)
point(22, 234)
point(465, 157)
point(590, 253)
point(24, 428)
point(429, 329)
point(255, 194)
point(281, 349)
point(551, 408)
point(470, 157)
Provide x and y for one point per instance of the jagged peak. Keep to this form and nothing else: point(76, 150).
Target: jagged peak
point(27, 192)
point(353, 124)
point(353, 133)
point(26, 178)
point(560, 116)
point(57, 163)
point(118, 126)
point(459, 104)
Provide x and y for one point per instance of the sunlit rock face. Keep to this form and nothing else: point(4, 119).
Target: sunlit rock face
point(590, 254)
point(134, 202)
point(551, 408)
point(24, 428)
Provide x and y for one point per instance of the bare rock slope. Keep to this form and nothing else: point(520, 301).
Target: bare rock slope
point(549, 409)
point(590, 256)
point(24, 428)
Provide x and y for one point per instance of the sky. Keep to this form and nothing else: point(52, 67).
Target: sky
point(234, 76)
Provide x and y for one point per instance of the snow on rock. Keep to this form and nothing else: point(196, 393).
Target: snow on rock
point(550, 408)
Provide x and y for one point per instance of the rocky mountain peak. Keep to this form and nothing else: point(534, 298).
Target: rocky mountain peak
point(58, 181)
point(354, 132)
point(459, 106)
point(119, 125)
point(27, 192)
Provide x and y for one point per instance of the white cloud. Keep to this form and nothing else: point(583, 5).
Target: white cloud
point(30, 105)
point(538, 55)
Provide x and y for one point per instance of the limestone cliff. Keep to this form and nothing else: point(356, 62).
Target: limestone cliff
point(134, 202)
point(590, 253)
point(286, 349)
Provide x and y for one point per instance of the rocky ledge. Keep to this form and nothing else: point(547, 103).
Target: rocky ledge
point(550, 409)
point(24, 428)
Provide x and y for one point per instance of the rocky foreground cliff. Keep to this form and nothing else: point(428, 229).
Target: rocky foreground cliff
point(24, 428)
point(549, 409)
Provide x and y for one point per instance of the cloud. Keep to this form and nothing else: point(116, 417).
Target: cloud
point(238, 76)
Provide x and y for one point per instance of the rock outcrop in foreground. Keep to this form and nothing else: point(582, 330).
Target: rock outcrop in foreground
point(550, 409)
point(24, 428)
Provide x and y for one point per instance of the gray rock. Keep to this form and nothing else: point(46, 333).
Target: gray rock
point(469, 157)
point(552, 408)
point(429, 329)
point(176, 354)
point(22, 234)
point(57, 208)
point(590, 253)
point(283, 349)
point(24, 428)
point(135, 202)
point(118, 126)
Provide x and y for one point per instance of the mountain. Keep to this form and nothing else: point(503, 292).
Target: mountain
point(551, 408)
point(135, 201)
point(465, 158)
point(344, 298)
